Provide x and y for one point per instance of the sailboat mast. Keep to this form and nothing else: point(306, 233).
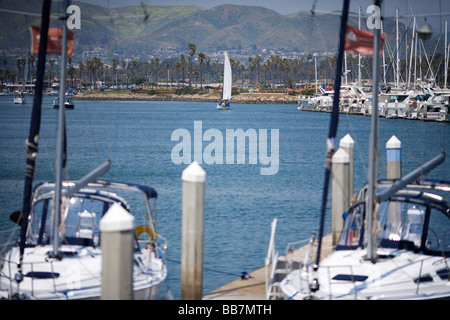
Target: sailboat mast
point(359, 54)
point(373, 144)
point(60, 139)
point(25, 74)
point(35, 123)
point(398, 49)
point(333, 124)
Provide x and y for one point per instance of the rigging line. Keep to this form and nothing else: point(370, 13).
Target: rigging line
point(399, 46)
point(428, 62)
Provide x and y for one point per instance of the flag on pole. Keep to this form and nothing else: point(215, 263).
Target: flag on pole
point(54, 43)
point(360, 41)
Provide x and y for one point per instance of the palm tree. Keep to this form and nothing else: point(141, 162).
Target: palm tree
point(166, 66)
point(191, 48)
point(31, 62)
point(115, 63)
point(81, 68)
point(201, 58)
point(183, 66)
point(133, 66)
point(178, 67)
point(124, 66)
point(5, 62)
point(155, 65)
point(93, 65)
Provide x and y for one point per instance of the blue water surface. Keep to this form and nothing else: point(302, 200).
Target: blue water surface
point(240, 203)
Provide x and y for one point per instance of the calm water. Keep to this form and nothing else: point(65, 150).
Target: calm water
point(239, 202)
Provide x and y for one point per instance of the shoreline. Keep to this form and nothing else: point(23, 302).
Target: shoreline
point(255, 98)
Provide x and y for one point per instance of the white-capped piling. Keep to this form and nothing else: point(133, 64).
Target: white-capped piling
point(347, 143)
point(394, 158)
point(340, 191)
point(117, 232)
point(192, 232)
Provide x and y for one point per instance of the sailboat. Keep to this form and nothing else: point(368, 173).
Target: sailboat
point(58, 255)
point(19, 98)
point(224, 103)
point(394, 243)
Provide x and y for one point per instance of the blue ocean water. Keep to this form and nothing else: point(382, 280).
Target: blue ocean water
point(240, 203)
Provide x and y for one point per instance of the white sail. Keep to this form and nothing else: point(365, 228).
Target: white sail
point(226, 94)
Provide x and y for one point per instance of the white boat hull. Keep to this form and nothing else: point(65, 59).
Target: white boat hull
point(347, 275)
point(75, 277)
point(220, 107)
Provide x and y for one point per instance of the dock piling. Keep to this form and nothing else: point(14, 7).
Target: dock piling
point(192, 232)
point(340, 196)
point(347, 143)
point(394, 158)
point(117, 231)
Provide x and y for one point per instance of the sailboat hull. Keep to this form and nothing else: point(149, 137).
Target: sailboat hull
point(19, 100)
point(76, 272)
point(398, 275)
point(223, 107)
point(75, 277)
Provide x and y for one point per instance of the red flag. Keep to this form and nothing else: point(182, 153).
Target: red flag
point(54, 41)
point(360, 41)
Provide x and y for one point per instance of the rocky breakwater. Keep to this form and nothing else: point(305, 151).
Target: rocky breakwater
point(256, 98)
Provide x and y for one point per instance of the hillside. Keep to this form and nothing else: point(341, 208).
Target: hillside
point(123, 30)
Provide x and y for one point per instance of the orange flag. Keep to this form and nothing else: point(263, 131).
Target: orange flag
point(54, 41)
point(360, 41)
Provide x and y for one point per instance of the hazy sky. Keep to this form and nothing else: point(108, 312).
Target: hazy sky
point(290, 6)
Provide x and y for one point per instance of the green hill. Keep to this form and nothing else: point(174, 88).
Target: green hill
point(125, 31)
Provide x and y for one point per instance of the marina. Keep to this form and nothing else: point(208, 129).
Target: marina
point(167, 198)
point(238, 216)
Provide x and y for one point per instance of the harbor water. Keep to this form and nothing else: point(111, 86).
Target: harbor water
point(143, 140)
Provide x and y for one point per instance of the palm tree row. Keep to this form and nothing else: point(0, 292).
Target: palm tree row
point(198, 69)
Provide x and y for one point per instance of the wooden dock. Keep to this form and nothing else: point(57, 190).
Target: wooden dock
point(254, 288)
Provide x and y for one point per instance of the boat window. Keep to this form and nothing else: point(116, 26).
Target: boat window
point(438, 235)
point(80, 219)
point(39, 228)
point(353, 229)
point(401, 224)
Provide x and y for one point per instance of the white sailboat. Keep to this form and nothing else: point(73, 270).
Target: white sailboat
point(394, 243)
point(58, 255)
point(19, 98)
point(74, 273)
point(412, 251)
point(224, 103)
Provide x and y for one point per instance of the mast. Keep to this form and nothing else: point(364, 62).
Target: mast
point(398, 49)
point(25, 74)
point(373, 145)
point(333, 124)
point(359, 54)
point(446, 57)
point(412, 47)
point(32, 141)
point(315, 70)
point(60, 141)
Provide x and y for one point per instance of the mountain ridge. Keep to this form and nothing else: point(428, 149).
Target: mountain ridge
point(122, 30)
